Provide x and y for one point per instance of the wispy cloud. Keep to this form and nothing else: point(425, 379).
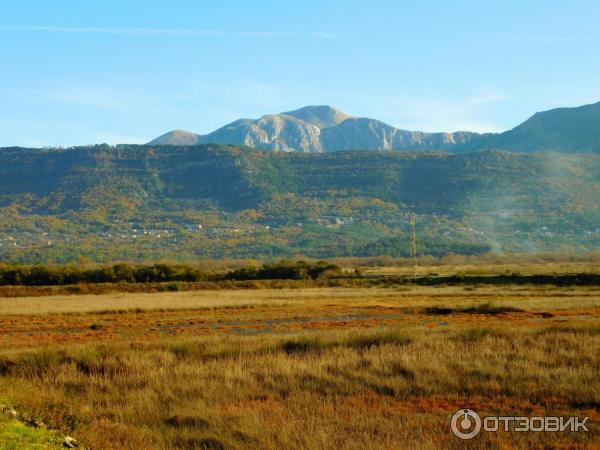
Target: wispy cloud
point(464, 114)
point(175, 32)
point(485, 96)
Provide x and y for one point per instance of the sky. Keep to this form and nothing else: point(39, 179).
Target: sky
point(125, 71)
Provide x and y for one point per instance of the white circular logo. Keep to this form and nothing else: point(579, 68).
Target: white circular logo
point(465, 424)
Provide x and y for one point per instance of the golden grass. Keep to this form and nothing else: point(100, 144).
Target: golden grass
point(386, 388)
point(313, 368)
point(525, 297)
point(503, 268)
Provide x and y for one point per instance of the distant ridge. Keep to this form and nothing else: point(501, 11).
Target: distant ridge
point(321, 128)
point(317, 129)
point(566, 130)
point(176, 137)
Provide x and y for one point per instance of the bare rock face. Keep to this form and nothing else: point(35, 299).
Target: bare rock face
point(369, 134)
point(276, 132)
point(314, 129)
point(359, 133)
point(319, 116)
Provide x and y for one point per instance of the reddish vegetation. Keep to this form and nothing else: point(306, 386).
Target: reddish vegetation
point(26, 330)
point(370, 386)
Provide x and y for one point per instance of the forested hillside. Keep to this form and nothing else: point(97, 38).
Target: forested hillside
point(566, 130)
point(188, 202)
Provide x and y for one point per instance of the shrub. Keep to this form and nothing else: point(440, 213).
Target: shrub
point(486, 308)
point(286, 270)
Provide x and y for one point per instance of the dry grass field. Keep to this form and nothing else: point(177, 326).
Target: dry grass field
point(322, 368)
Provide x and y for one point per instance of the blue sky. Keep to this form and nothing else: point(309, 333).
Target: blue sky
point(81, 72)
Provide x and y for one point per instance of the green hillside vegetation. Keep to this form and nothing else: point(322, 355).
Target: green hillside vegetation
point(568, 130)
point(138, 203)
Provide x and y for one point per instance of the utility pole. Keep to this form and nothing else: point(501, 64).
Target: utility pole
point(413, 241)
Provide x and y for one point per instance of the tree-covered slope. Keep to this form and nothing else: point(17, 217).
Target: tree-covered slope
point(439, 183)
point(237, 178)
point(179, 202)
point(567, 130)
point(59, 180)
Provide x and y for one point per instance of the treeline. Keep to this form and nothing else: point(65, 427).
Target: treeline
point(41, 275)
point(569, 279)
point(183, 277)
point(286, 270)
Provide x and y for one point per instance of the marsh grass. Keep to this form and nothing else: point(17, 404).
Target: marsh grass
point(353, 340)
point(325, 389)
point(389, 387)
point(476, 334)
point(585, 330)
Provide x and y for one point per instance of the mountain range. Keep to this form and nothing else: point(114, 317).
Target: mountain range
point(187, 197)
point(318, 129)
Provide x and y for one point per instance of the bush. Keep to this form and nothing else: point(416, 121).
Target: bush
point(286, 270)
point(486, 309)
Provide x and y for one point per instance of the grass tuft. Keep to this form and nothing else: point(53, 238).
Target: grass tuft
point(391, 337)
point(478, 334)
point(187, 422)
point(194, 443)
point(304, 345)
point(588, 330)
